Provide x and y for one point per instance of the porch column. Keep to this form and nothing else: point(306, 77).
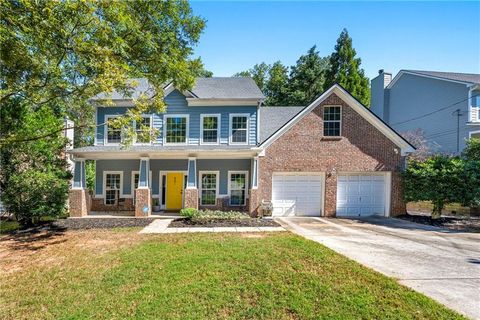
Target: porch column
point(191, 192)
point(143, 198)
point(253, 199)
point(78, 198)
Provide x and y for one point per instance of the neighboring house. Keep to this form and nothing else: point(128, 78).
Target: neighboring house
point(219, 148)
point(444, 105)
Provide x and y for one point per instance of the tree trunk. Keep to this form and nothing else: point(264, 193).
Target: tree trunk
point(437, 209)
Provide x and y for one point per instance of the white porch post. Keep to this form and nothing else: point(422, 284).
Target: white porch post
point(191, 192)
point(78, 197)
point(143, 198)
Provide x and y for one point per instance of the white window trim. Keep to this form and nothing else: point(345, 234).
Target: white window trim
point(206, 115)
point(150, 117)
point(165, 117)
point(340, 121)
point(247, 115)
point(105, 130)
point(105, 184)
point(471, 133)
point(132, 182)
point(217, 186)
point(246, 187)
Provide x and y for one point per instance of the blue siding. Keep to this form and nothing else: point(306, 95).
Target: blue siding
point(157, 165)
point(177, 104)
point(224, 165)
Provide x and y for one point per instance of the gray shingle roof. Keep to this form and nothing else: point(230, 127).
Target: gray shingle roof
point(273, 118)
point(226, 88)
point(204, 88)
point(473, 78)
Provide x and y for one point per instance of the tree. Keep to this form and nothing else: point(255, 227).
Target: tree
point(63, 53)
point(34, 174)
point(307, 78)
point(417, 138)
point(259, 74)
point(345, 70)
point(472, 149)
point(276, 87)
point(440, 179)
point(55, 55)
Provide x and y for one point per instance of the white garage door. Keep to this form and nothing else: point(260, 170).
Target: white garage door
point(361, 195)
point(297, 194)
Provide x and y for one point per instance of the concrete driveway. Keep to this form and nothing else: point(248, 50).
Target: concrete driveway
point(443, 265)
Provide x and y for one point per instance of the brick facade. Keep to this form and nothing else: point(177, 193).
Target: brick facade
point(143, 198)
point(191, 198)
point(361, 148)
point(223, 204)
point(79, 202)
point(98, 204)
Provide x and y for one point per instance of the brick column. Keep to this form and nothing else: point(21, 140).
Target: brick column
point(191, 198)
point(78, 202)
point(330, 208)
point(253, 203)
point(398, 205)
point(143, 202)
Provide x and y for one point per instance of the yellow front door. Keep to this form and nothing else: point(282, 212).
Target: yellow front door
point(174, 190)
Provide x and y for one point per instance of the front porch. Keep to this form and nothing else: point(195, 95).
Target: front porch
point(148, 187)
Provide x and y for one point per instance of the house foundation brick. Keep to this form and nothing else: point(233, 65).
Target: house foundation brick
point(253, 203)
point(98, 204)
point(362, 148)
point(191, 198)
point(143, 200)
point(79, 202)
point(223, 204)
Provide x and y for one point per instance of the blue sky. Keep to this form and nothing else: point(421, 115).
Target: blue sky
point(442, 36)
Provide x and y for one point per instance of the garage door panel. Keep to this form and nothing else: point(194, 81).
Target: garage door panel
point(296, 194)
point(361, 194)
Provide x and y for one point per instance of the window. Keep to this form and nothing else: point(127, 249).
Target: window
point(331, 121)
point(143, 130)
point(208, 188)
point(114, 135)
point(112, 187)
point(239, 128)
point(210, 128)
point(176, 129)
point(237, 184)
point(474, 135)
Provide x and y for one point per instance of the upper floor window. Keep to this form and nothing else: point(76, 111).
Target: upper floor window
point(114, 135)
point(143, 129)
point(176, 129)
point(239, 128)
point(332, 121)
point(210, 126)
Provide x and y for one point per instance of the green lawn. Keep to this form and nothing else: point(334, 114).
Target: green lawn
point(121, 274)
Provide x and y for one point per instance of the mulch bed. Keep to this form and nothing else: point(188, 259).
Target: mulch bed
point(471, 224)
point(209, 223)
point(102, 223)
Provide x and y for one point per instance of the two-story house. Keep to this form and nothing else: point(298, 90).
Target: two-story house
point(444, 105)
point(218, 147)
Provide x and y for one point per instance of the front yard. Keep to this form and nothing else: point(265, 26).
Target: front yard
point(117, 274)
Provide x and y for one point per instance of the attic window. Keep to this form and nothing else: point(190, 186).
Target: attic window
point(332, 121)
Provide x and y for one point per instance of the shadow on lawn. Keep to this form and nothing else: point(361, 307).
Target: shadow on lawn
point(35, 238)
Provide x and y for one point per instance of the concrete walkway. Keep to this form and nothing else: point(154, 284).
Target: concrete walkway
point(161, 226)
point(441, 264)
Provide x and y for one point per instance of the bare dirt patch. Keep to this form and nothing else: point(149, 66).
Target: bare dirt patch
point(465, 224)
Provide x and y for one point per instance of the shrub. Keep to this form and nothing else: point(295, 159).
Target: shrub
point(188, 212)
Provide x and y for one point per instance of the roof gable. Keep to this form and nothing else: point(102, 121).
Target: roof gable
point(462, 78)
point(396, 138)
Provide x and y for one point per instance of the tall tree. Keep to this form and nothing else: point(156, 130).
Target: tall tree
point(276, 87)
point(259, 74)
point(307, 78)
point(54, 56)
point(345, 70)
